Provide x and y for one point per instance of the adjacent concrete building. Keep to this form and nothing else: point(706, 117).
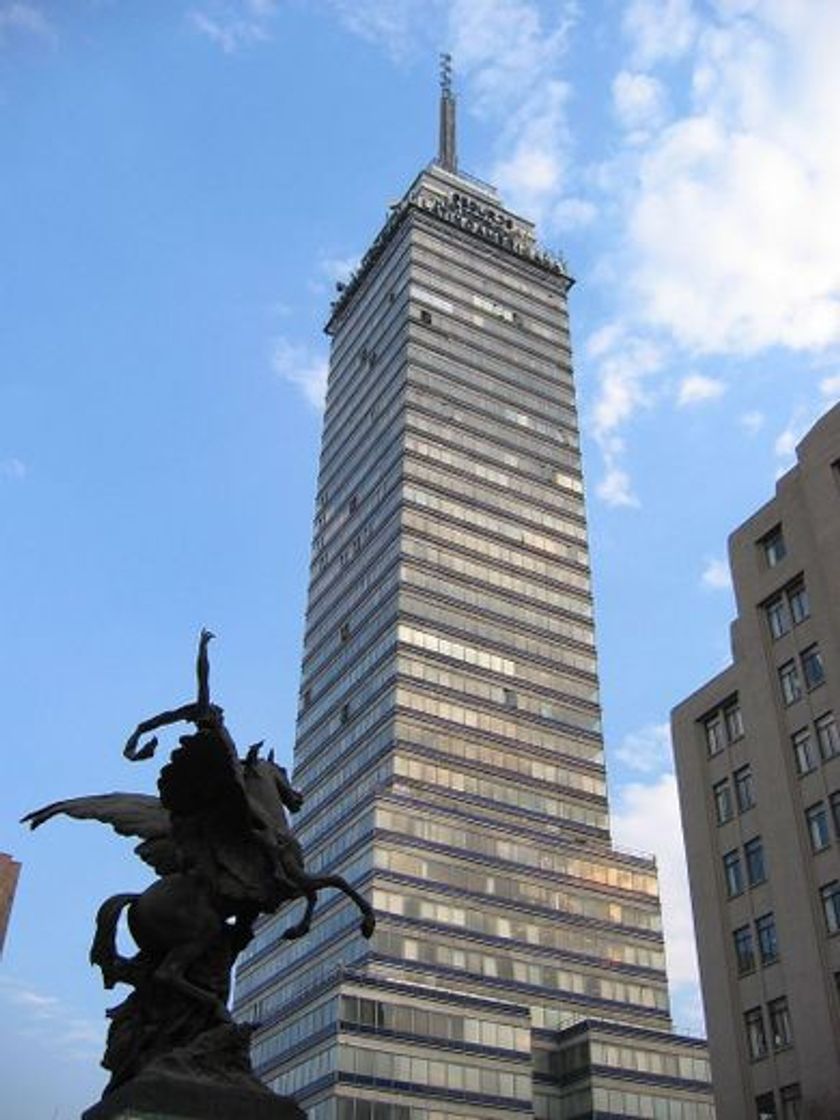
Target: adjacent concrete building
point(449, 740)
point(9, 872)
point(758, 762)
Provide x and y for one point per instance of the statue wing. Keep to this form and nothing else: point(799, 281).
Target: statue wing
point(129, 814)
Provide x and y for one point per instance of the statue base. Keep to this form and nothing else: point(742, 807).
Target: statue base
point(163, 1097)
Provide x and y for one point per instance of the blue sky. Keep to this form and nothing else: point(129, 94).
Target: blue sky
point(181, 184)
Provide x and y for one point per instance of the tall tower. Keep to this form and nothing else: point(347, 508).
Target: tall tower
point(758, 764)
point(448, 740)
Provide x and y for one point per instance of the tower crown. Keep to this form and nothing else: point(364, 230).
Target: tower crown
point(447, 150)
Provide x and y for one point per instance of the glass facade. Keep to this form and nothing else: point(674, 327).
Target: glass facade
point(449, 737)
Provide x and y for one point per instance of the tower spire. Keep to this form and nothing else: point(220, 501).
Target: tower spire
point(447, 153)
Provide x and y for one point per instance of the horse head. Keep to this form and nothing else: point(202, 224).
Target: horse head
point(274, 776)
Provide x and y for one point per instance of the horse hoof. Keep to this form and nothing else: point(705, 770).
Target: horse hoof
point(368, 925)
point(293, 933)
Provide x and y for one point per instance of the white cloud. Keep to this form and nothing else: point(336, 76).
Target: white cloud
point(716, 575)
point(25, 19)
point(647, 818)
point(616, 489)
point(752, 422)
point(234, 24)
point(50, 1023)
point(648, 749)
point(13, 468)
point(302, 367)
point(830, 386)
point(639, 100)
point(697, 389)
point(659, 29)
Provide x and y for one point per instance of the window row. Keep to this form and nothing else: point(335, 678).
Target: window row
point(406, 1019)
point(351, 1108)
point(497, 790)
point(512, 888)
point(304, 1026)
point(599, 947)
point(384, 1067)
point(726, 725)
point(763, 938)
point(600, 1101)
point(825, 736)
point(503, 966)
point(741, 783)
point(770, 1029)
point(484, 842)
point(807, 671)
point(743, 870)
point(787, 609)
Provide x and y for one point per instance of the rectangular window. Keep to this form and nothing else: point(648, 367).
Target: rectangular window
point(768, 942)
point(816, 819)
point(789, 682)
point(733, 874)
point(791, 1098)
point(744, 789)
point(765, 1107)
point(744, 953)
point(834, 801)
point(830, 898)
point(828, 735)
point(722, 793)
point(734, 722)
point(714, 734)
point(756, 1038)
point(812, 667)
point(800, 607)
point(780, 1031)
point(803, 751)
point(778, 619)
point(754, 857)
point(773, 545)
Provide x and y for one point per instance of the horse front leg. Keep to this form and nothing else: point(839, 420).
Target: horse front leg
point(172, 971)
point(320, 882)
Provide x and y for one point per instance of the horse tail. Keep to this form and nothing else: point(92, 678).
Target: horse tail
point(103, 950)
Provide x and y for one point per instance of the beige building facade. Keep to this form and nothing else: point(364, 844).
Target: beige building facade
point(758, 764)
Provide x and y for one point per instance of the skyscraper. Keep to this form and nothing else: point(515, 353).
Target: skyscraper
point(758, 764)
point(448, 739)
point(9, 872)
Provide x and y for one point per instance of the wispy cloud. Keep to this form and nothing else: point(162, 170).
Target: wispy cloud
point(49, 1022)
point(752, 422)
point(19, 18)
point(648, 749)
point(716, 575)
point(13, 468)
point(303, 367)
point(699, 389)
point(234, 24)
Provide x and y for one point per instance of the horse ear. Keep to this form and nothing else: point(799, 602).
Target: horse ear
point(271, 755)
point(253, 753)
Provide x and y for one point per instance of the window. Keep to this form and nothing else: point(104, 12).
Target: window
point(754, 856)
point(830, 897)
point(353, 504)
point(714, 734)
point(425, 316)
point(756, 1038)
point(768, 942)
point(834, 801)
point(828, 736)
point(734, 722)
point(816, 819)
point(744, 790)
point(791, 1098)
point(723, 801)
point(789, 682)
point(803, 751)
point(765, 1107)
point(773, 544)
point(778, 618)
point(344, 632)
point(733, 874)
point(812, 667)
point(744, 953)
point(780, 1032)
point(800, 607)
point(345, 713)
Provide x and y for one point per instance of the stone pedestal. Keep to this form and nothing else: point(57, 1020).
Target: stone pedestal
point(163, 1097)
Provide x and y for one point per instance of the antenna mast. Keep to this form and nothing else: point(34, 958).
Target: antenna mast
point(447, 154)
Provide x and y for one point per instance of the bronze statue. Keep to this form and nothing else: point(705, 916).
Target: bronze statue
point(220, 842)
